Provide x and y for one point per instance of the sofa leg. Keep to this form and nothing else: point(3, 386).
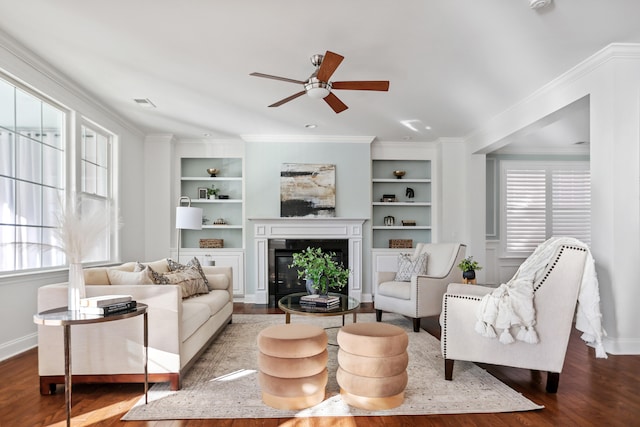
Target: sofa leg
point(448, 369)
point(378, 315)
point(553, 378)
point(416, 325)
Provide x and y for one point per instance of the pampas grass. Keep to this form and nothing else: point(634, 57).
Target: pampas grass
point(80, 225)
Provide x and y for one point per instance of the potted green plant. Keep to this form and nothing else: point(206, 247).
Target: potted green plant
point(469, 267)
point(320, 270)
point(213, 191)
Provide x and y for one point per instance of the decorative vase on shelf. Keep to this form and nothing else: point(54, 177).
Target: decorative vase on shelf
point(76, 289)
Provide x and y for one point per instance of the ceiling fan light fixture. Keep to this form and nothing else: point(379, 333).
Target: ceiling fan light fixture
point(317, 89)
point(537, 4)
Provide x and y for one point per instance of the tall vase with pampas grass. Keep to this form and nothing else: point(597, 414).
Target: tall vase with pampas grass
point(79, 227)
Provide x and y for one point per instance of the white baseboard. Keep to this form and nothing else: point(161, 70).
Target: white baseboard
point(17, 346)
point(622, 346)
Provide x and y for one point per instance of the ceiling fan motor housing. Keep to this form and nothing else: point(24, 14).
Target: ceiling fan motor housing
point(317, 89)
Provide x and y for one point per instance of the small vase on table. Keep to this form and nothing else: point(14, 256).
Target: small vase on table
point(76, 288)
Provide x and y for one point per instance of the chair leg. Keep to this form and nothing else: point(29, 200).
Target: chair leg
point(448, 369)
point(378, 315)
point(416, 325)
point(553, 378)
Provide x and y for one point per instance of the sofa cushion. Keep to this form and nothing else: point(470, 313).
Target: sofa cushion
point(160, 266)
point(119, 277)
point(218, 281)
point(409, 265)
point(215, 300)
point(193, 263)
point(96, 276)
point(194, 315)
point(399, 290)
point(189, 280)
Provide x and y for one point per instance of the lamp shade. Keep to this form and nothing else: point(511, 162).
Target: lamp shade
point(188, 218)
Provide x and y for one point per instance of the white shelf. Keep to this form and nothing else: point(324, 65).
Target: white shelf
point(402, 227)
point(401, 181)
point(227, 226)
point(401, 203)
point(216, 201)
point(206, 178)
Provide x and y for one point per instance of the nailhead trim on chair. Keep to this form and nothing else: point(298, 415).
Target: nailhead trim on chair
point(447, 296)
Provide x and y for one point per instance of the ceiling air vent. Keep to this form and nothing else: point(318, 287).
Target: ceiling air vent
point(144, 102)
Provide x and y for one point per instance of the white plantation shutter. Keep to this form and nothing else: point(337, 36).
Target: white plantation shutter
point(541, 200)
point(571, 196)
point(525, 208)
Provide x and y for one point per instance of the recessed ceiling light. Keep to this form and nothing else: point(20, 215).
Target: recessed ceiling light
point(311, 126)
point(144, 102)
point(427, 127)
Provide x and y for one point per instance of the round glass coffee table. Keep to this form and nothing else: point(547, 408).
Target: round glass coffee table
point(290, 304)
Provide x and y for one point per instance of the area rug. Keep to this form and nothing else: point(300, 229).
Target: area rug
point(223, 382)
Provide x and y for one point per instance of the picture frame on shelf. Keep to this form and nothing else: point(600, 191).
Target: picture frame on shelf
point(202, 192)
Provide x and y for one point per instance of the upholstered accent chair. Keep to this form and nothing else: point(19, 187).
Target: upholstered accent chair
point(554, 301)
point(420, 295)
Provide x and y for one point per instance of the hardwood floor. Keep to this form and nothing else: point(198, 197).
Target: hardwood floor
point(592, 392)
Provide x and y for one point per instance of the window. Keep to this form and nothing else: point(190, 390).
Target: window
point(35, 171)
point(542, 200)
point(95, 183)
point(32, 177)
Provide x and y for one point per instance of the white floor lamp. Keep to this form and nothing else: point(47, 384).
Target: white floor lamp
point(187, 218)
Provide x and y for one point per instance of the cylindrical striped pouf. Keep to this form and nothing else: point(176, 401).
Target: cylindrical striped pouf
point(293, 365)
point(372, 365)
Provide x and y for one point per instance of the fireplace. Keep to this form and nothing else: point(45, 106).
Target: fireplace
point(283, 280)
point(306, 229)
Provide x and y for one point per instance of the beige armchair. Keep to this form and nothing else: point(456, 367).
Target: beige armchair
point(421, 296)
point(555, 293)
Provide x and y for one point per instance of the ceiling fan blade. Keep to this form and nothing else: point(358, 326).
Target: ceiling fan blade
point(333, 101)
point(330, 63)
point(287, 99)
point(381, 85)
point(284, 79)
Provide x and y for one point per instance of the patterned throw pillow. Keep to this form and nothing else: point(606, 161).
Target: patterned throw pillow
point(193, 263)
point(409, 266)
point(189, 280)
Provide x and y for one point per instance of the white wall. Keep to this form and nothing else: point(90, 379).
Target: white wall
point(18, 293)
point(611, 79)
point(262, 183)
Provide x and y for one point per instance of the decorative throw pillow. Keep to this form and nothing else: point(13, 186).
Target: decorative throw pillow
point(193, 263)
point(119, 277)
point(409, 266)
point(189, 280)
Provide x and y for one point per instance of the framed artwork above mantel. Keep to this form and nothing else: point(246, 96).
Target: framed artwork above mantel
point(307, 190)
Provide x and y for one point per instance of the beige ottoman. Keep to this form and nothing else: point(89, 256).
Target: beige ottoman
point(372, 359)
point(292, 365)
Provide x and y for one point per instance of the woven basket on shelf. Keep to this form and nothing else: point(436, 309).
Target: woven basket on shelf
point(211, 243)
point(401, 243)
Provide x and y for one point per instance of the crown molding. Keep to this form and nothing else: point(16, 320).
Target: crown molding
point(309, 138)
point(39, 67)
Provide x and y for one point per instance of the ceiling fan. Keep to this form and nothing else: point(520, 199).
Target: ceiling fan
point(318, 84)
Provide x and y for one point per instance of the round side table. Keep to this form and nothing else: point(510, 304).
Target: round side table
point(66, 318)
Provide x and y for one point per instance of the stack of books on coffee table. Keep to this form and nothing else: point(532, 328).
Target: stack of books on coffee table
point(107, 304)
point(320, 301)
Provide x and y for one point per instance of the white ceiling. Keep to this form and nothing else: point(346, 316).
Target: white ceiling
point(452, 64)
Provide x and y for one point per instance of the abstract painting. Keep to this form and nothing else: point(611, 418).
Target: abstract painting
point(307, 190)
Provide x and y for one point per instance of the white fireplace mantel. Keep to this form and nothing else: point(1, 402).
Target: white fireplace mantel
point(265, 229)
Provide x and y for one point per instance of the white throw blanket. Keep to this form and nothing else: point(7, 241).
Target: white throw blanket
point(511, 304)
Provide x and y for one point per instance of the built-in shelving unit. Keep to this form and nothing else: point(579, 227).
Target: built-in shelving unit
point(416, 182)
point(229, 182)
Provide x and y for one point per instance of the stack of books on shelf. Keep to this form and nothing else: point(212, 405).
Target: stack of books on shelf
point(107, 304)
point(320, 301)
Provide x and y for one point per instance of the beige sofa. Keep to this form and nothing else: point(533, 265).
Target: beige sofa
point(179, 330)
